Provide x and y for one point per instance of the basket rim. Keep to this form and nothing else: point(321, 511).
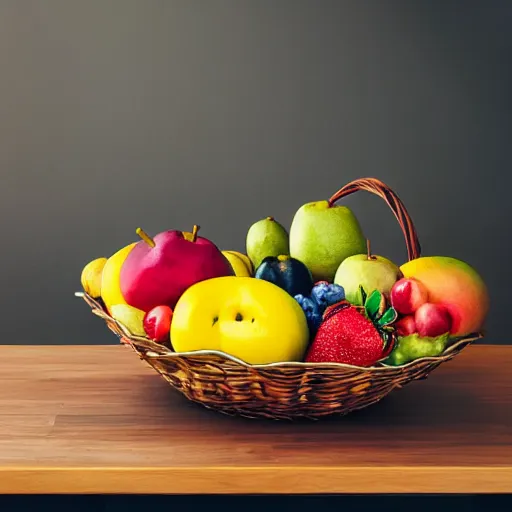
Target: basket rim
point(302, 364)
point(155, 350)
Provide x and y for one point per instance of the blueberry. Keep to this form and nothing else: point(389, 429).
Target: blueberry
point(327, 294)
point(311, 310)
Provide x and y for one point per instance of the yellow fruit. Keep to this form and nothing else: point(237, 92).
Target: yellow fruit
point(241, 264)
point(247, 261)
point(110, 286)
point(132, 318)
point(251, 319)
point(91, 277)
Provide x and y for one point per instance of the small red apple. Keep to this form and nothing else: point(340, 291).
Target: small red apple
point(406, 325)
point(157, 323)
point(433, 320)
point(407, 295)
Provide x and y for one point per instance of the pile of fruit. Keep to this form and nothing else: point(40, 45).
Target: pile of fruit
point(315, 294)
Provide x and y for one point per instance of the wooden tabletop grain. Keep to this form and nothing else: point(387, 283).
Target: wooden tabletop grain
point(96, 419)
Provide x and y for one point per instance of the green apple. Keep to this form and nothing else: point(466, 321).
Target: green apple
point(322, 236)
point(370, 271)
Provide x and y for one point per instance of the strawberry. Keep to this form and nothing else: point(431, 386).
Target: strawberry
point(347, 335)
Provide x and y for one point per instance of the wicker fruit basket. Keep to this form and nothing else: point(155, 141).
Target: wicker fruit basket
point(286, 390)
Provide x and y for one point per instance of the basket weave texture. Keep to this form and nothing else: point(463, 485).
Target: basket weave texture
point(292, 389)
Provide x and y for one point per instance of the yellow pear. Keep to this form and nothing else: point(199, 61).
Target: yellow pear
point(110, 285)
point(91, 277)
point(251, 319)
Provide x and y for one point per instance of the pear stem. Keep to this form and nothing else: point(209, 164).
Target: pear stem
point(145, 237)
point(195, 229)
point(270, 218)
point(369, 250)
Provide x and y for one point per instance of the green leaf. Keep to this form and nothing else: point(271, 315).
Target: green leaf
point(388, 317)
point(363, 294)
point(372, 304)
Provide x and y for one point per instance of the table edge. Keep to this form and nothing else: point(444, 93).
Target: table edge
point(257, 480)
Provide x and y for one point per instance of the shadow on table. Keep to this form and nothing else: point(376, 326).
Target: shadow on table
point(452, 406)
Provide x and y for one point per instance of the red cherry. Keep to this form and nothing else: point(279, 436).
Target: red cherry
point(433, 320)
point(406, 325)
point(407, 295)
point(157, 323)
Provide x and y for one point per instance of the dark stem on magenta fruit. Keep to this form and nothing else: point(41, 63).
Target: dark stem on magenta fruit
point(195, 229)
point(369, 250)
point(145, 237)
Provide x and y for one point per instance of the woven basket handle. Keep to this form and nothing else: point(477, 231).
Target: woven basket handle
point(380, 189)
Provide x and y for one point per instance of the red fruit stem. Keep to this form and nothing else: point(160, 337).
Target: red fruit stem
point(145, 237)
point(195, 229)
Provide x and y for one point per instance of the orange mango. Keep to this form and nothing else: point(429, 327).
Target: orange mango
point(457, 286)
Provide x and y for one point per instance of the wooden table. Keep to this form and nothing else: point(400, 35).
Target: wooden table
point(96, 419)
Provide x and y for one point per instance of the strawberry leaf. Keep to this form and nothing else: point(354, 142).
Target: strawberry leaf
point(388, 317)
point(382, 306)
point(372, 304)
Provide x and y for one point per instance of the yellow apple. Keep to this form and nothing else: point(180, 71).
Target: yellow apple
point(251, 319)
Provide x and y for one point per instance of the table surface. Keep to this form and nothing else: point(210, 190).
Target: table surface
point(96, 419)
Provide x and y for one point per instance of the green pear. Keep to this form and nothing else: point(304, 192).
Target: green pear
point(322, 236)
point(266, 238)
point(370, 271)
point(132, 318)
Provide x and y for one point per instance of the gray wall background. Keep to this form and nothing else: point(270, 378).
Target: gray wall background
point(120, 113)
